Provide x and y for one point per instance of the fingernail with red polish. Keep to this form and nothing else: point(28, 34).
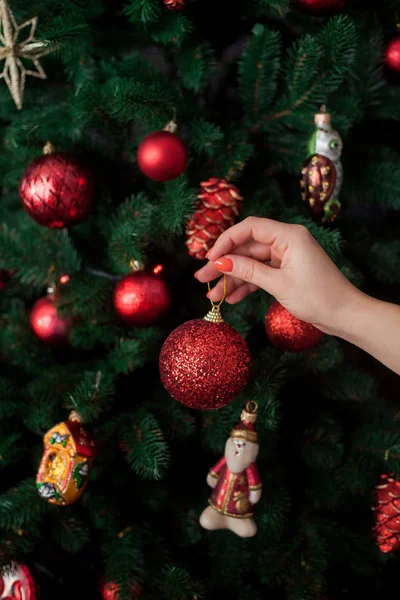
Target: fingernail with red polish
point(224, 264)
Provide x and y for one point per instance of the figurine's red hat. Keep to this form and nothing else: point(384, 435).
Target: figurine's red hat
point(246, 430)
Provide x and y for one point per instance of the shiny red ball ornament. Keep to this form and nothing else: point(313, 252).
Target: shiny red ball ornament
point(141, 298)
point(387, 511)
point(204, 364)
point(162, 156)
point(288, 333)
point(320, 7)
point(392, 54)
point(17, 583)
point(174, 4)
point(52, 329)
point(56, 190)
point(109, 590)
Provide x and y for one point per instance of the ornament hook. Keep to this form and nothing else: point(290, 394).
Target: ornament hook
point(218, 304)
point(252, 406)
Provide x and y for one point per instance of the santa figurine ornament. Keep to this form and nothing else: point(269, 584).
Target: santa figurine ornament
point(235, 480)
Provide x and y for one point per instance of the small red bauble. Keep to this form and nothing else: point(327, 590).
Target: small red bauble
point(387, 511)
point(287, 332)
point(56, 190)
point(204, 364)
point(48, 325)
point(162, 156)
point(320, 7)
point(141, 298)
point(392, 54)
point(109, 590)
point(17, 583)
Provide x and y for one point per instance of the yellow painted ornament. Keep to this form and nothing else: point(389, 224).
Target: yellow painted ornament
point(65, 465)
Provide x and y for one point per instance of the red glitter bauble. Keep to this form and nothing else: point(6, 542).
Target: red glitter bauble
point(320, 7)
point(287, 332)
point(204, 365)
point(56, 190)
point(48, 325)
point(109, 590)
point(162, 156)
point(392, 54)
point(141, 299)
point(387, 511)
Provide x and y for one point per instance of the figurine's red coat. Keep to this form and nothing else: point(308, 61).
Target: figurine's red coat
point(231, 494)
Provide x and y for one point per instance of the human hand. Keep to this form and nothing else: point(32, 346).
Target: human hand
point(287, 262)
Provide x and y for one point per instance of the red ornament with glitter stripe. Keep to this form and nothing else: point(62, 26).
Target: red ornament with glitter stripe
point(387, 514)
point(218, 206)
point(56, 190)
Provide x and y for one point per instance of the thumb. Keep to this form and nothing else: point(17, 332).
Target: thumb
point(253, 271)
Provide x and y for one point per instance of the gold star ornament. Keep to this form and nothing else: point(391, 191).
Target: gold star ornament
point(14, 51)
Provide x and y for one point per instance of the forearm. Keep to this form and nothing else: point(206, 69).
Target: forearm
point(373, 326)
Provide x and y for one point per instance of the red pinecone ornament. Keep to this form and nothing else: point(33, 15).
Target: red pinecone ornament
point(218, 206)
point(174, 4)
point(56, 190)
point(387, 514)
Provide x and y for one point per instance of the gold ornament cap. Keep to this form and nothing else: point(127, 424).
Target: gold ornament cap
point(245, 430)
point(214, 315)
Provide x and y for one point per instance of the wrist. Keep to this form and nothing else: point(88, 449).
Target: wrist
point(351, 316)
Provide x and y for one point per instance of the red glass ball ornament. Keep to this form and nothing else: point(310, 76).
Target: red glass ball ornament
point(320, 7)
point(392, 54)
point(204, 365)
point(109, 590)
point(162, 156)
point(48, 325)
point(141, 298)
point(287, 332)
point(56, 190)
point(17, 583)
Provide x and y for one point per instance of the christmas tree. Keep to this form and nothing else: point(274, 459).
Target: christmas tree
point(133, 134)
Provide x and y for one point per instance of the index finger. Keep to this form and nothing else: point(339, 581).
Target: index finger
point(253, 228)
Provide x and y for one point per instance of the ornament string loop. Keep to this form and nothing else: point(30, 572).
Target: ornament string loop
point(218, 304)
point(252, 406)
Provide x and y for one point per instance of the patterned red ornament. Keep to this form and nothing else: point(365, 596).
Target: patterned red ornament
point(141, 298)
point(56, 190)
point(387, 514)
point(109, 590)
point(392, 54)
point(218, 206)
point(162, 156)
point(174, 4)
point(320, 7)
point(204, 363)
point(16, 583)
point(287, 332)
point(52, 329)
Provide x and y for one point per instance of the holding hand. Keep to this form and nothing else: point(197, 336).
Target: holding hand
point(284, 260)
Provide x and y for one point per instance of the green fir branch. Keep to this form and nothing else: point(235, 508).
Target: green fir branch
point(203, 136)
point(195, 66)
point(176, 582)
point(92, 395)
point(142, 11)
point(21, 504)
point(258, 72)
point(71, 533)
point(147, 451)
point(174, 29)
